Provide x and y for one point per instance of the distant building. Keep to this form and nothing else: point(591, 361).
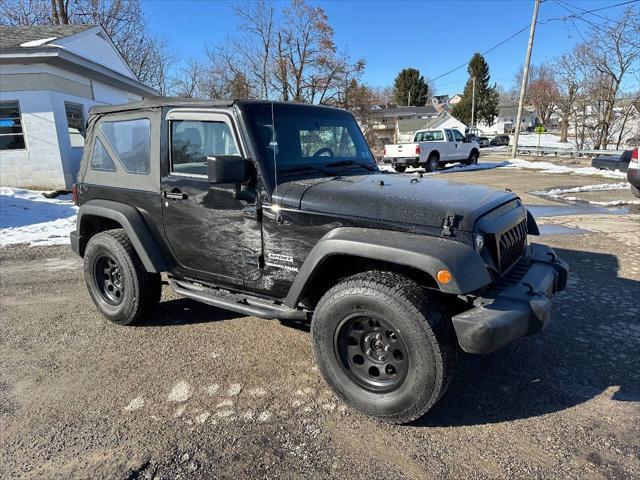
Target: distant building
point(407, 128)
point(440, 102)
point(386, 118)
point(455, 99)
point(49, 78)
point(505, 121)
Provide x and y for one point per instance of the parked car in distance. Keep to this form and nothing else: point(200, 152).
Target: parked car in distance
point(500, 140)
point(633, 173)
point(483, 142)
point(431, 149)
point(613, 162)
point(633, 141)
point(278, 210)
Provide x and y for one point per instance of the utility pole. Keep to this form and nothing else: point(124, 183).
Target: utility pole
point(525, 77)
point(409, 99)
point(473, 104)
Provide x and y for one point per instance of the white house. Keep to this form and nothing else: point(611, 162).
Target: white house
point(49, 78)
point(443, 120)
point(506, 120)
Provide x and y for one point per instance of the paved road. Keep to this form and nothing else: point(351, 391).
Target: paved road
point(198, 392)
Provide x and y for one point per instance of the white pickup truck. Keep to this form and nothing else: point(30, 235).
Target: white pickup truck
point(431, 149)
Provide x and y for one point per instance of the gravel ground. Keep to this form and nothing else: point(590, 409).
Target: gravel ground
point(197, 392)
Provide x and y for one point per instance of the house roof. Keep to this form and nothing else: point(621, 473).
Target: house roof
point(36, 35)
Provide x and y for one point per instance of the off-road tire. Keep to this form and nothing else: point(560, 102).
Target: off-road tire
point(635, 191)
point(141, 289)
point(400, 168)
point(422, 324)
point(473, 158)
point(433, 163)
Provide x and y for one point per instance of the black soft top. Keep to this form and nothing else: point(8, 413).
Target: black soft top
point(159, 101)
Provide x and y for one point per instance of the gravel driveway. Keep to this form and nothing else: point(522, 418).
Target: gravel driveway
point(198, 392)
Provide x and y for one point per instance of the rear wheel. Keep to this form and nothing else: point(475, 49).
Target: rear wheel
point(399, 168)
point(432, 163)
point(635, 191)
point(118, 283)
point(384, 345)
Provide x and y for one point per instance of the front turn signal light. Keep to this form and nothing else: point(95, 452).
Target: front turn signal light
point(444, 276)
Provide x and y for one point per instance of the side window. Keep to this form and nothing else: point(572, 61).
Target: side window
point(437, 135)
point(100, 159)
point(75, 123)
point(131, 141)
point(193, 141)
point(459, 137)
point(449, 136)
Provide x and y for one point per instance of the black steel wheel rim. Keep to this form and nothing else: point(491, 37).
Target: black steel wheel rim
point(372, 352)
point(109, 279)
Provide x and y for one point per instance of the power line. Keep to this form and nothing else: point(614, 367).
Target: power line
point(541, 22)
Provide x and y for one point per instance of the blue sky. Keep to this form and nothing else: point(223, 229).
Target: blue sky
point(433, 36)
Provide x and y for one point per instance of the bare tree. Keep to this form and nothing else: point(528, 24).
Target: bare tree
point(568, 78)
point(542, 91)
point(613, 51)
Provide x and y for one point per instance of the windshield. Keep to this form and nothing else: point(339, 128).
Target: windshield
point(429, 136)
point(307, 139)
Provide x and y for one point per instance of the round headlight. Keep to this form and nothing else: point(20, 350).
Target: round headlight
point(479, 241)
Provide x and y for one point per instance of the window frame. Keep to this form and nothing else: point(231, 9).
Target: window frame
point(83, 132)
point(200, 116)
point(23, 133)
point(93, 153)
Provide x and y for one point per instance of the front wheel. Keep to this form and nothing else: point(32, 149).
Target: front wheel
point(384, 345)
point(473, 158)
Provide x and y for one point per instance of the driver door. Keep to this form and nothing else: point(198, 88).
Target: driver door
point(211, 234)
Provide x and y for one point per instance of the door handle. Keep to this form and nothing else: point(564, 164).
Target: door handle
point(175, 195)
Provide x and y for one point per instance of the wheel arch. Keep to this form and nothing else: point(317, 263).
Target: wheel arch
point(96, 216)
point(348, 250)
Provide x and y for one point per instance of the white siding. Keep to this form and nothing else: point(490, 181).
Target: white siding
point(39, 165)
point(94, 47)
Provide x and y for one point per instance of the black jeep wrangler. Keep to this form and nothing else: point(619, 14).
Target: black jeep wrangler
point(279, 210)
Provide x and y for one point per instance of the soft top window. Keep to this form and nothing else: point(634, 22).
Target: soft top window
point(131, 142)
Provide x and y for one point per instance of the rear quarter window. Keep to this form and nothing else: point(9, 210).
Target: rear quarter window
point(131, 142)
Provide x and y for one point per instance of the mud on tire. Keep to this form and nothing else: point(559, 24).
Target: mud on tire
point(118, 283)
point(411, 315)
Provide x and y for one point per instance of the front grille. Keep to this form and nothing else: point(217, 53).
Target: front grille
point(511, 246)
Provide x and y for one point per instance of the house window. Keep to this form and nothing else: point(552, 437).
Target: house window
point(75, 123)
point(11, 133)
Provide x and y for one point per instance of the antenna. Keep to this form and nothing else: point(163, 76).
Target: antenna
point(275, 164)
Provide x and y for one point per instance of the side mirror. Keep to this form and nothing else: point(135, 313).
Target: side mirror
point(226, 169)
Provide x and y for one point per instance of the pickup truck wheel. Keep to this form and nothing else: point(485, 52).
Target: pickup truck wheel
point(473, 158)
point(432, 163)
point(118, 283)
point(399, 168)
point(635, 191)
point(384, 345)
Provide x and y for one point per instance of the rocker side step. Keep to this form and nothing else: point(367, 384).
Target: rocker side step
point(237, 303)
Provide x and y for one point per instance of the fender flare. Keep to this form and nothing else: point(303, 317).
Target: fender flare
point(133, 223)
point(425, 253)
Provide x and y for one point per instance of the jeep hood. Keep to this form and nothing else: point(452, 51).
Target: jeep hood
point(393, 198)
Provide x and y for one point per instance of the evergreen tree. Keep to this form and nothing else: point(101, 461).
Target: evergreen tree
point(410, 88)
point(487, 97)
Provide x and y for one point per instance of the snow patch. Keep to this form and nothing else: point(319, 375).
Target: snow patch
point(181, 392)
point(547, 167)
point(202, 417)
point(586, 188)
point(135, 404)
point(234, 389)
point(28, 217)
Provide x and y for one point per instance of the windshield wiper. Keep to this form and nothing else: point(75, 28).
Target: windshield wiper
point(344, 163)
point(308, 167)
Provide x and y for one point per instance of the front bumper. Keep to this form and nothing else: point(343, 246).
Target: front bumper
point(516, 309)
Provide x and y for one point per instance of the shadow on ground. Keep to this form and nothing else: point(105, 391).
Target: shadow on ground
point(19, 212)
point(590, 345)
point(184, 311)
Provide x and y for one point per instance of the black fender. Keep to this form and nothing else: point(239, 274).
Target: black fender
point(425, 253)
point(137, 230)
